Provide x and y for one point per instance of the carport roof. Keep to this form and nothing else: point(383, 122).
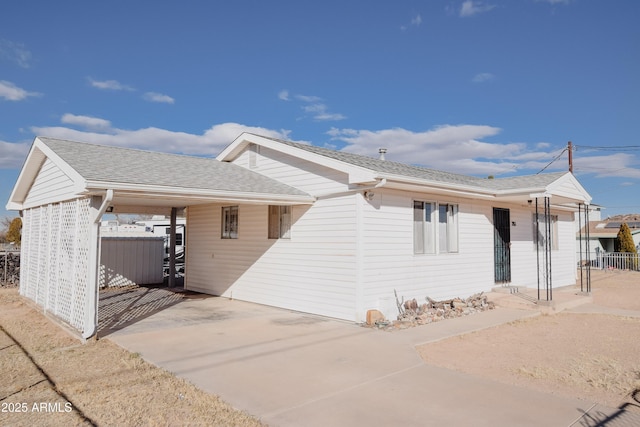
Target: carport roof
point(150, 174)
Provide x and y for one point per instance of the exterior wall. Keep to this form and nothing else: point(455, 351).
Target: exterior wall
point(306, 176)
point(314, 271)
point(50, 185)
point(126, 261)
point(390, 263)
point(524, 257)
point(347, 254)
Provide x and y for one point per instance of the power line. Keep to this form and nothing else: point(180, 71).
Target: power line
point(552, 161)
point(610, 148)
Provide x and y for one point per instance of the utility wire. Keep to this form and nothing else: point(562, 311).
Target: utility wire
point(552, 161)
point(610, 148)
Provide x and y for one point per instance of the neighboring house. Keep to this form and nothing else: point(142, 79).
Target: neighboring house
point(302, 227)
point(603, 234)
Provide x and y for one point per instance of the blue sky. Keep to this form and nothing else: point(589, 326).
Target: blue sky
point(475, 87)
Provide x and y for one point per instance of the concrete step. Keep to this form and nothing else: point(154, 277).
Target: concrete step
point(527, 299)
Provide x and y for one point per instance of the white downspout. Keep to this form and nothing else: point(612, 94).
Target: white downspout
point(91, 300)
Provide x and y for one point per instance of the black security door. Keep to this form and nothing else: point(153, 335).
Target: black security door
point(502, 245)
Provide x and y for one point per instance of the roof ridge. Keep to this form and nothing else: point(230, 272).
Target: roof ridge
point(317, 149)
point(378, 165)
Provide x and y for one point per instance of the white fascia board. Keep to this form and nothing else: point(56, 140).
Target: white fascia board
point(38, 153)
point(357, 175)
point(180, 193)
point(539, 195)
point(463, 190)
point(27, 175)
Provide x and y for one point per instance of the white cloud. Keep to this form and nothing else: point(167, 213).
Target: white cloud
point(554, 1)
point(15, 52)
point(482, 77)
point(109, 85)
point(209, 143)
point(284, 95)
point(158, 97)
point(86, 121)
point(416, 21)
point(318, 110)
point(308, 98)
point(470, 8)
point(453, 148)
point(11, 92)
point(320, 113)
point(12, 154)
point(614, 165)
point(447, 147)
point(459, 148)
point(329, 117)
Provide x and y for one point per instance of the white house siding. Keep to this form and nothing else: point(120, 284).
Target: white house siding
point(313, 272)
point(524, 265)
point(306, 176)
point(50, 185)
point(390, 263)
point(340, 264)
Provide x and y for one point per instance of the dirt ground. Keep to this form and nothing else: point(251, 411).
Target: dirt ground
point(49, 378)
point(594, 357)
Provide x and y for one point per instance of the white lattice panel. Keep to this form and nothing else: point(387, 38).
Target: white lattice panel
point(43, 250)
point(54, 250)
point(32, 266)
point(83, 231)
point(24, 251)
point(55, 253)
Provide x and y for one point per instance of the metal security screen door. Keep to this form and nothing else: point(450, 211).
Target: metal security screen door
point(502, 245)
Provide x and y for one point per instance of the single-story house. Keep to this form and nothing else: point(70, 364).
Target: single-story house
point(294, 225)
point(604, 233)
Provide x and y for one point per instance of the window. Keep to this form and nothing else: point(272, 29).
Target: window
point(230, 222)
point(279, 222)
point(178, 236)
point(448, 228)
point(540, 233)
point(435, 227)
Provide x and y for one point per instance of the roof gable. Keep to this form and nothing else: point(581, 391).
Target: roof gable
point(98, 167)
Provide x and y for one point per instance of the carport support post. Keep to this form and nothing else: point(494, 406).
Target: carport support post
point(172, 248)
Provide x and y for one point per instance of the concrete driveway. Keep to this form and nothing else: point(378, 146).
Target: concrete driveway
point(293, 369)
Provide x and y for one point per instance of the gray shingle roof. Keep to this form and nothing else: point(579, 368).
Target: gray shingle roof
point(131, 166)
point(409, 171)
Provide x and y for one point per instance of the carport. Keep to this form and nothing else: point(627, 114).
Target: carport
point(65, 188)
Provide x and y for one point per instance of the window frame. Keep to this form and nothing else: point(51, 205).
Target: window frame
point(229, 222)
point(431, 234)
point(537, 243)
point(279, 222)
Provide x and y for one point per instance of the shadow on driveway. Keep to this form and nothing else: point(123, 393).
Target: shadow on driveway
point(123, 307)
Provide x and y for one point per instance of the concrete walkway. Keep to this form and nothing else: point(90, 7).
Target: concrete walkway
point(293, 369)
